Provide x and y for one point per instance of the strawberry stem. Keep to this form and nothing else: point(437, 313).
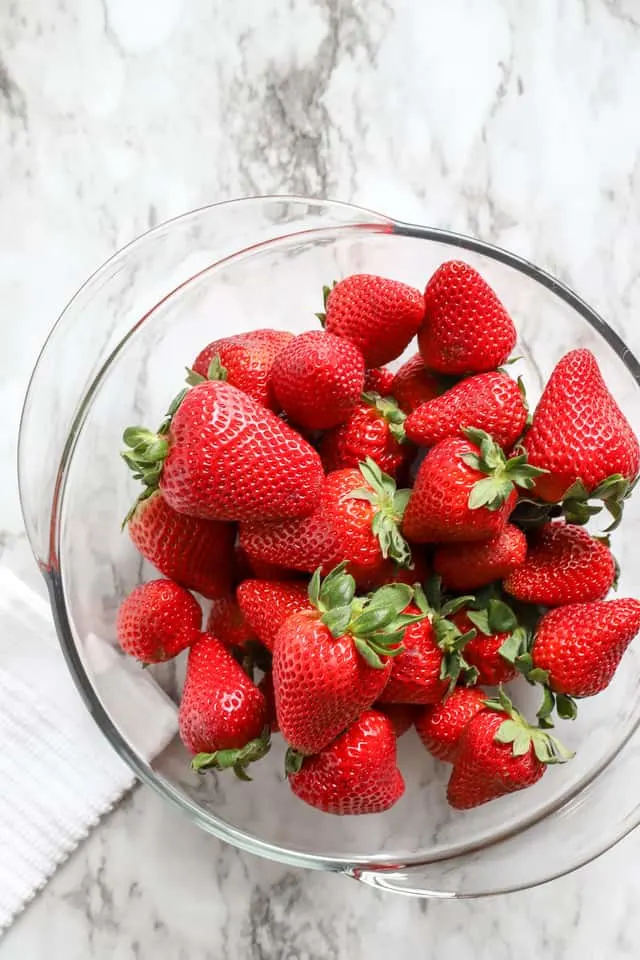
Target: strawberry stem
point(237, 759)
point(391, 412)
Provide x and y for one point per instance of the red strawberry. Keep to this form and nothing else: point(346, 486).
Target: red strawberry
point(466, 328)
point(356, 521)
point(466, 566)
point(565, 564)
point(331, 664)
point(219, 455)
point(441, 726)
point(378, 380)
point(414, 385)
point(197, 554)
point(402, 715)
point(227, 624)
point(581, 645)
point(255, 569)
point(464, 490)
point(499, 753)
point(158, 620)
point(355, 774)
point(483, 650)
point(318, 379)
point(244, 360)
point(432, 657)
point(580, 435)
point(374, 429)
point(489, 401)
point(222, 714)
point(266, 604)
point(379, 316)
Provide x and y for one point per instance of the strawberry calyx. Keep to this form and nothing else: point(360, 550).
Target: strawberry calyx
point(503, 476)
point(293, 761)
point(376, 623)
point(146, 452)
point(236, 759)
point(215, 371)
point(612, 494)
point(448, 636)
point(517, 650)
point(518, 732)
point(389, 505)
point(389, 410)
point(326, 290)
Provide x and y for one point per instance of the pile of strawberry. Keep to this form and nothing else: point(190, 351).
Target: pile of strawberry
point(379, 548)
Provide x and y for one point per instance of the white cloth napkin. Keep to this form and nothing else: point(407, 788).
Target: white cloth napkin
point(58, 774)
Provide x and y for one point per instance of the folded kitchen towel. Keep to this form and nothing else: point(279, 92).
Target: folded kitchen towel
point(58, 774)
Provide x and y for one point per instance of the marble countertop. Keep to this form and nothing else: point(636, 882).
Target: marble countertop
point(512, 121)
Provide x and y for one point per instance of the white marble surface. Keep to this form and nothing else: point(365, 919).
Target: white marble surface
point(509, 120)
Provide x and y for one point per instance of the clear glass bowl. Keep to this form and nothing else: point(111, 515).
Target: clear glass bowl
point(116, 357)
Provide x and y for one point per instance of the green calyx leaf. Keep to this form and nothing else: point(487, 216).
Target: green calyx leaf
point(376, 623)
point(495, 617)
point(515, 646)
point(389, 505)
point(293, 762)
point(146, 451)
point(578, 506)
point(237, 760)
point(391, 412)
point(322, 316)
point(522, 736)
point(503, 475)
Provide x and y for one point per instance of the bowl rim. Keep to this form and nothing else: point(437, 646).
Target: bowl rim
point(362, 867)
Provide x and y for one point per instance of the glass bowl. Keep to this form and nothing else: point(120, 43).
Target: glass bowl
point(116, 357)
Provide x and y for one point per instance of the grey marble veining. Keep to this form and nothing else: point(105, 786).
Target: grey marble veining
point(509, 120)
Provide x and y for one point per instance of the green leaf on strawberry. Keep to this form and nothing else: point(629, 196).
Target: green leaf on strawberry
point(390, 505)
point(503, 476)
point(237, 759)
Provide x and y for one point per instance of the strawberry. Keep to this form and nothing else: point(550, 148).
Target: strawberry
point(197, 554)
point(227, 624)
point(318, 379)
point(491, 402)
point(432, 657)
point(255, 569)
point(266, 604)
point(244, 360)
point(564, 564)
point(390, 572)
point(355, 774)
point(441, 726)
point(402, 715)
point(357, 520)
point(466, 329)
point(579, 646)
point(414, 385)
point(464, 490)
point(219, 455)
point(416, 673)
point(332, 663)
point(374, 429)
point(223, 715)
point(499, 753)
point(494, 626)
point(157, 621)
point(379, 316)
point(378, 380)
point(581, 438)
point(466, 566)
